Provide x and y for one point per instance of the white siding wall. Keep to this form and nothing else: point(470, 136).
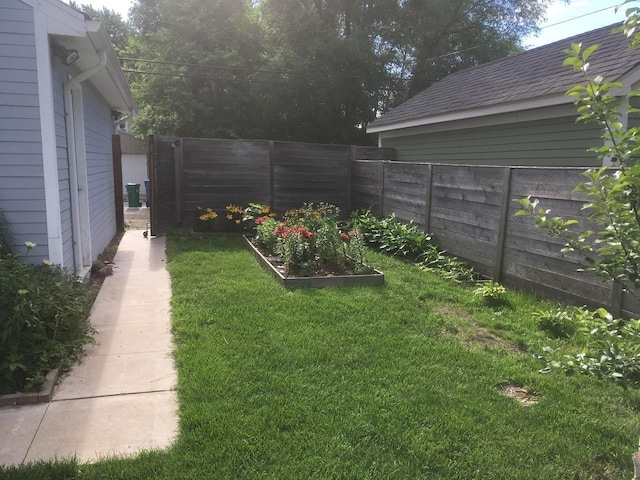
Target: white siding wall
point(98, 131)
point(63, 166)
point(21, 170)
point(134, 170)
point(550, 142)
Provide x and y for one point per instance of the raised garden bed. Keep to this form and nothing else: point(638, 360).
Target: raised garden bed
point(275, 268)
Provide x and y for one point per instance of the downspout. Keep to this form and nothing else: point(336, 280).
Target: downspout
point(71, 85)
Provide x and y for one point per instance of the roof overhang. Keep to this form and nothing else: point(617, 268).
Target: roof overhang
point(72, 29)
point(488, 111)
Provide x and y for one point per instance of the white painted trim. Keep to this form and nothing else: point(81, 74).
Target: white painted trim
point(80, 170)
point(74, 118)
point(48, 133)
point(535, 103)
point(61, 18)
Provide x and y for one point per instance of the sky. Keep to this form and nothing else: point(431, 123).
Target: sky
point(562, 20)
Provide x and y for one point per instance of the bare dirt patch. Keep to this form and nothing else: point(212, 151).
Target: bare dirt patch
point(522, 395)
point(461, 324)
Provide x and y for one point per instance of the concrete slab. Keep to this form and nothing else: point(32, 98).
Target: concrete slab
point(107, 426)
point(138, 337)
point(113, 312)
point(103, 375)
point(18, 426)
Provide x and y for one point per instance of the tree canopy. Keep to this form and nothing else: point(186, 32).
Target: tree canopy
point(304, 70)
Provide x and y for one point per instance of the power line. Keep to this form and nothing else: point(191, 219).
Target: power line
point(250, 70)
point(205, 77)
point(284, 72)
point(581, 16)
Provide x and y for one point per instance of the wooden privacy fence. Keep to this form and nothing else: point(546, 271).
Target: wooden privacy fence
point(211, 173)
point(469, 209)
point(471, 213)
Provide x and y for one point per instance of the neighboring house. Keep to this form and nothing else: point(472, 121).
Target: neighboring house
point(134, 162)
point(512, 111)
point(60, 88)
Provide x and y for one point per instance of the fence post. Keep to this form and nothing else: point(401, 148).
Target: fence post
point(616, 299)
point(382, 168)
point(353, 155)
point(272, 148)
point(502, 227)
point(178, 155)
point(117, 181)
point(427, 200)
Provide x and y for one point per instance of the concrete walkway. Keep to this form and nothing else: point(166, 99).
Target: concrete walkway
point(120, 399)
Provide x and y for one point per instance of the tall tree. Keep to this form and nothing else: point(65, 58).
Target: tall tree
point(200, 55)
point(117, 28)
point(307, 70)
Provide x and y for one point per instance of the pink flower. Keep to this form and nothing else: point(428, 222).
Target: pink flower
point(261, 220)
point(281, 230)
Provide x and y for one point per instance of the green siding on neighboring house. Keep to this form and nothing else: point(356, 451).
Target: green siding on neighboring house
point(634, 117)
point(550, 142)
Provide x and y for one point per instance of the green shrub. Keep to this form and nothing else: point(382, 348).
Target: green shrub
point(391, 236)
point(606, 347)
point(491, 292)
point(43, 322)
point(558, 322)
point(265, 236)
point(447, 266)
point(406, 240)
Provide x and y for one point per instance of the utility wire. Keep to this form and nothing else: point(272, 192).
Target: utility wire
point(581, 16)
point(311, 74)
point(205, 77)
point(284, 72)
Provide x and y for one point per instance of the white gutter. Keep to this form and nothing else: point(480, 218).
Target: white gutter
point(75, 150)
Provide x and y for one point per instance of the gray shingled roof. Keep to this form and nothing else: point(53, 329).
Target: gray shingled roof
point(535, 73)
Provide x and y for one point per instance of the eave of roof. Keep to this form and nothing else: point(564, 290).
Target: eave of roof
point(75, 30)
point(531, 79)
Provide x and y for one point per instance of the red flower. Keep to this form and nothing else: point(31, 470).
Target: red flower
point(302, 232)
point(261, 220)
point(347, 236)
point(281, 230)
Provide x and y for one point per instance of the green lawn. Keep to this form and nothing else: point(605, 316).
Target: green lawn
point(400, 382)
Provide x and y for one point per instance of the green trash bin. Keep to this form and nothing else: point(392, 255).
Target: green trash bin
point(133, 194)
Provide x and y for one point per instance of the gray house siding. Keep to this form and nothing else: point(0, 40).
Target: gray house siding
point(63, 167)
point(21, 170)
point(550, 142)
point(98, 132)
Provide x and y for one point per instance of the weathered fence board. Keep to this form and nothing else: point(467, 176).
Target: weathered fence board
point(470, 210)
point(213, 173)
point(366, 186)
point(163, 184)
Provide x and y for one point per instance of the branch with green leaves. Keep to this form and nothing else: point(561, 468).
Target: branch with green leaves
point(612, 249)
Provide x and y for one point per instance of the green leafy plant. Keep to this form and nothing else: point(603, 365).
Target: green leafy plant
point(395, 238)
point(43, 321)
point(608, 348)
point(612, 249)
point(265, 236)
point(392, 236)
point(310, 241)
point(558, 322)
point(447, 266)
point(491, 292)
point(295, 246)
point(252, 213)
